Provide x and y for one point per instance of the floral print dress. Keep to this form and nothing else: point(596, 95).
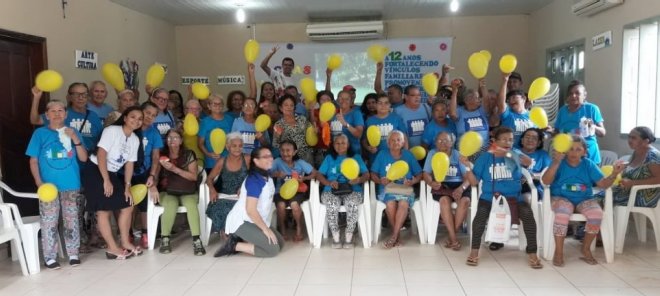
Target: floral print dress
point(647, 197)
point(295, 133)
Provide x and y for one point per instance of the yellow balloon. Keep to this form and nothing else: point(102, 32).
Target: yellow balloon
point(607, 170)
point(218, 140)
point(139, 192)
point(562, 143)
point(486, 54)
point(539, 88)
point(311, 137)
point(289, 189)
point(430, 83)
point(308, 89)
point(327, 111)
point(262, 123)
point(478, 65)
point(419, 152)
point(190, 125)
point(470, 143)
point(200, 91)
point(508, 63)
point(113, 75)
point(440, 166)
point(349, 168)
point(155, 75)
point(334, 61)
point(49, 80)
point(47, 192)
point(397, 170)
point(373, 136)
point(377, 52)
point(538, 116)
point(251, 50)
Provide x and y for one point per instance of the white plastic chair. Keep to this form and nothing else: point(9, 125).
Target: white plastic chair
point(28, 228)
point(307, 210)
point(9, 233)
point(622, 214)
point(379, 206)
point(608, 157)
point(321, 224)
point(432, 213)
point(155, 211)
point(606, 227)
point(208, 223)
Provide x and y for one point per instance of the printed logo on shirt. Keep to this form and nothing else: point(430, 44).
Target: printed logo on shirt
point(145, 143)
point(336, 128)
point(86, 130)
point(57, 157)
point(453, 171)
point(385, 130)
point(574, 187)
point(475, 124)
point(500, 171)
point(163, 127)
point(533, 164)
point(416, 127)
point(249, 138)
point(522, 125)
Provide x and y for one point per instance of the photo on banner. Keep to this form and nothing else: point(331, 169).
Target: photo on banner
point(405, 63)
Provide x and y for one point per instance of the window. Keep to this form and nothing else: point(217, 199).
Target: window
point(640, 98)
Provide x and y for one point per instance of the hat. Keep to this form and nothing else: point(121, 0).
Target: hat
point(348, 87)
point(515, 75)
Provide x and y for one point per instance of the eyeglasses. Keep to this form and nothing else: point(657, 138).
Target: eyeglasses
point(444, 141)
point(173, 138)
point(249, 106)
point(215, 104)
point(78, 95)
point(161, 98)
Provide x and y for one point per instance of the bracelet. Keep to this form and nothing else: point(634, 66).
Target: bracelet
point(74, 144)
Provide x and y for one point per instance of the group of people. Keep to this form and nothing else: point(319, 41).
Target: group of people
point(94, 166)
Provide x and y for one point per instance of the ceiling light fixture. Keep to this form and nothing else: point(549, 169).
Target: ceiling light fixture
point(240, 15)
point(453, 6)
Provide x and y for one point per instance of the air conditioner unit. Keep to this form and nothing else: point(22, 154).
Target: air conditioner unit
point(345, 31)
point(591, 7)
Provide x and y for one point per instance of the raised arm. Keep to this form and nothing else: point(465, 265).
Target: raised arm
point(453, 103)
point(549, 175)
point(35, 119)
point(252, 81)
point(378, 81)
point(483, 93)
point(501, 96)
point(264, 63)
point(444, 78)
point(328, 76)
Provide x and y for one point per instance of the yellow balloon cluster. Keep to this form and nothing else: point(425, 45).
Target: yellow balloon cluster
point(539, 88)
point(262, 123)
point(334, 61)
point(538, 116)
point(430, 83)
point(373, 136)
point(139, 192)
point(289, 189)
point(508, 63)
point(419, 152)
point(470, 143)
point(47, 192)
point(200, 91)
point(49, 80)
point(327, 111)
point(218, 140)
point(155, 75)
point(397, 170)
point(440, 166)
point(377, 52)
point(562, 143)
point(113, 75)
point(349, 168)
point(190, 125)
point(311, 137)
point(478, 65)
point(251, 50)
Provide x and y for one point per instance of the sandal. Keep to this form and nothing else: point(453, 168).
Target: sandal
point(125, 254)
point(456, 246)
point(137, 251)
point(472, 261)
point(535, 263)
point(589, 260)
point(390, 243)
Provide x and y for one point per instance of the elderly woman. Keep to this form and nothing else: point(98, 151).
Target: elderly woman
point(54, 152)
point(397, 195)
point(571, 178)
point(291, 127)
point(499, 171)
point(386, 121)
point(125, 98)
point(439, 123)
point(473, 116)
point(244, 125)
point(248, 223)
point(165, 119)
point(531, 143)
point(216, 119)
point(582, 119)
point(338, 189)
point(348, 121)
point(644, 169)
point(98, 93)
point(511, 110)
point(454, 188)
point(226, 178)
point(105, 191)
point(178, 186)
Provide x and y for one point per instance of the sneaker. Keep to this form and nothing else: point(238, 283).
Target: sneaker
point(229, 247)
point(198, 248)
point(53, 265)
point(144, 241)
point(74, 262)
point(165, 245)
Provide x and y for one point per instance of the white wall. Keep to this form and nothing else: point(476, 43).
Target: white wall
point(554, 25)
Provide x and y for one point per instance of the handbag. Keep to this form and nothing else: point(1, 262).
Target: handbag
point(398, 189)
point(499, 221)
point(176, 185)
point(342, 189)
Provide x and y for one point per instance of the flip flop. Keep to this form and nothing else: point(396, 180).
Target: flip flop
point(589, 260)
point(472, 261)
point(535, 263)
point(125, 254)
point(390, 243)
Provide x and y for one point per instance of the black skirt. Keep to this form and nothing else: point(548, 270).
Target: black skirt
point(93, 184)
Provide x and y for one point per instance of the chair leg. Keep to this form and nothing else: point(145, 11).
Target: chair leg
point(378, 217)
point(364, 231)
point(640, 226)
point(548, 238)
point(31, 247)
point(319, 225)
point(307, 215)
point(152, 225)
point(607, 233)
point(622, 215)
point(434, 219)
point(20, 254)
point(419, 221)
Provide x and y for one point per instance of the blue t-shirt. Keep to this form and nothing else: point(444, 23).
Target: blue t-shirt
point(518, 122)
point(354, 118)
point(575, 183)
point(456, 168)
point(102, 111)
point(331, 170)
point(90, 130)
point(57, 165)
point(476, 120)
point(206, 126)
point(300, 166)
point(301, 110)
point(254, 185)
point(415, 122)
point(575, 123)
point(151, 141)
point(384, 160)
point(163, 122)
point(386, 126)
point(248, 133)
point(499, 174)
point(433, 129)
point(540, 161)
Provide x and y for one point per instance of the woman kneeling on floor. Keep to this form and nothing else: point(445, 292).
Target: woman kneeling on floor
point(571, 177)
point(248, 223)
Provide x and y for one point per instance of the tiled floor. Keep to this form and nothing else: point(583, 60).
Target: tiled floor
point(412, 269)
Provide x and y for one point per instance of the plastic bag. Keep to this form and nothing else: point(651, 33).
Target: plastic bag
point(499, 221)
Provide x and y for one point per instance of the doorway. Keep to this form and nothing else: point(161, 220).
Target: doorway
point(564, 64)
point(22, 57)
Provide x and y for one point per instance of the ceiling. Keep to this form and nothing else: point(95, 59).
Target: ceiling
point(200, 12)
